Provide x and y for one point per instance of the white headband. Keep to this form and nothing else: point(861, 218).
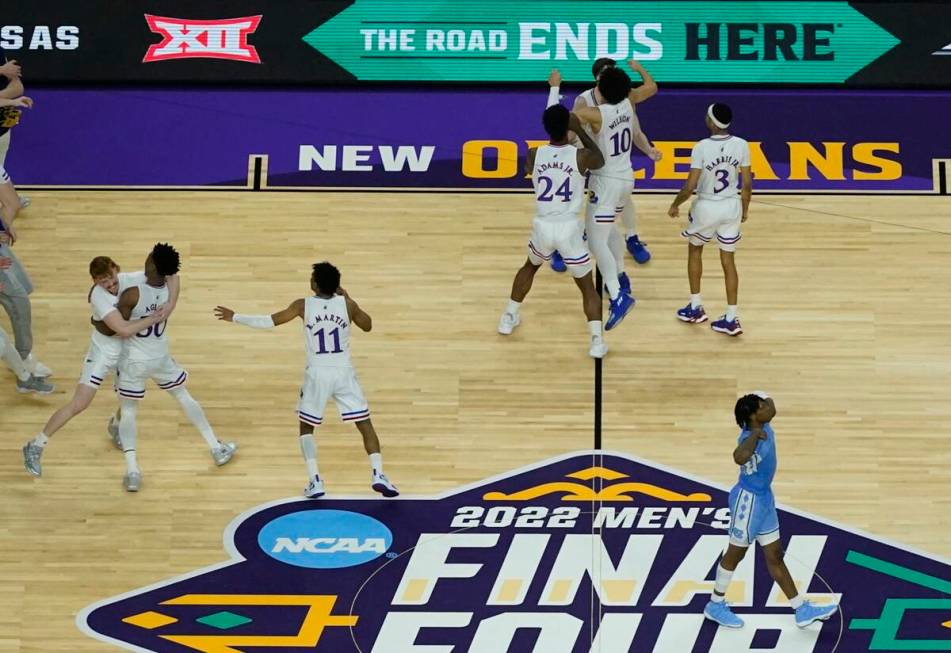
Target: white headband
point(714, 120)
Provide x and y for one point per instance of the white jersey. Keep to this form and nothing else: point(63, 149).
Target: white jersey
point(618, 126)
point(102, 302)
point(326, 332)
point(559, 185)
point(150, 343)
point(719, 158)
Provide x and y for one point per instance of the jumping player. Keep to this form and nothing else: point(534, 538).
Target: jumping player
point(146, 356)
point(753, 515)
point(558, 171)
point(591, 98)
point(104, 351)
point(326, 316)
point(716, 163)
point(616, 129)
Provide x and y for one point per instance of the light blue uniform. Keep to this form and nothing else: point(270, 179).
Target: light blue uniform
point(753, 515)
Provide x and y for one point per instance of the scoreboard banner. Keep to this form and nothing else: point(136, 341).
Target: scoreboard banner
point(462, 139)
point(804, 42)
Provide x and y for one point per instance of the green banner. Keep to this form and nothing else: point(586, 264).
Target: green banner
point(690, 42)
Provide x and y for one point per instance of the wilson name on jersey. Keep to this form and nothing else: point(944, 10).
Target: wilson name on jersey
point(719, 159)
point(150, 343)
point(559, 186)
point(327, 332)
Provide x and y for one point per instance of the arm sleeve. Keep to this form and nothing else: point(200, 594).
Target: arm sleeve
point(254, 321)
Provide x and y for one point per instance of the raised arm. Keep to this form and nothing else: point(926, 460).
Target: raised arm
point(295, 309)
point(554, 88)
point(646, 90)
point(590, 156)
point(174, 284)
point(747, 448)
point(590, 116)
point(357, 315)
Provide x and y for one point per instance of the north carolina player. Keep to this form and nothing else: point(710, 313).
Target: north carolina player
point(590, 98)
point(558, 171)
point(716, 164)
point(326, 317)
point(616, 129)
point(753, 516)
point(104, 351)
point(146, 356)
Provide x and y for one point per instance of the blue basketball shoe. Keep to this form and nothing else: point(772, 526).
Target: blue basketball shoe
point(638, 250)
point(721, 613)
point(807, 613)
point(557, 263)
point(619, 308)
point(729, 327)
point(693, 315)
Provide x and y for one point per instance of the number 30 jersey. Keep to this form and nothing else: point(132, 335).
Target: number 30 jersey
point(150, 343)
point(559, 186)
point(719, 158)
point(326, 332)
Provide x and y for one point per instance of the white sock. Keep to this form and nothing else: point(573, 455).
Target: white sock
point(594, 326)
point(695, 301)
point(41, 440)
point(308, 447)
point(195, 415)
point(720, 584)
point(731, 313)
point(796, 601)
point(616, 243)
point(629, 217)
point(513, 307)
point(376, 463)
point(127, 434)
point(12, 358)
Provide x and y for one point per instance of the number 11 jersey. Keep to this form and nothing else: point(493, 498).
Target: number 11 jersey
point(326, 332)
point(719, 158)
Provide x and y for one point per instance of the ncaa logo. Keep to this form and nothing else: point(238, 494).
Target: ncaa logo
point(325, 539)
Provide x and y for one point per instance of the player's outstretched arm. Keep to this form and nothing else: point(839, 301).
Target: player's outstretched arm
point(689, 187)
point(296, 309)
point(125, 329)
point(357, 315)
point(590, 157)
point(646, 90)
point(590, 116)
point(554, 88)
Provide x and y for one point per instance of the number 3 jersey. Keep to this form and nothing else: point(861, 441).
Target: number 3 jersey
point(150, 343)
point(719, 158)
point(559, 186)
point(326, 332)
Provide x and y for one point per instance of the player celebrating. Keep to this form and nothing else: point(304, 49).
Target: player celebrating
point(558, 171)
point(326, 316)
point(591, 98)
point(146, 356)
point(616, 128)
point(753, 515)
point(715, 165)
point(104, 351)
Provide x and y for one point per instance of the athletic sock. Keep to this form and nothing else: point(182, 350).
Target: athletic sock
point(308, 447)
point(796, 601)
point(596, 329)
point(695, 301)
point(41, 440)
point(720, 584)
point(513, 307)
point(376, 463)
point(196, 416)
point(731, 313)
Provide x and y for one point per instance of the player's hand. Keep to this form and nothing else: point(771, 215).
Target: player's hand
point(10, 69)
point(655, 154)
point(162, 312)
point(5, 262)
point(745, 217)
point(673, 211)
point(224, 313)
point(635, 65)
point(24, 102)
point(554, 78)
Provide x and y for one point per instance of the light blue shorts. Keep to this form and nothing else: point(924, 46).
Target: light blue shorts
point(753, 517)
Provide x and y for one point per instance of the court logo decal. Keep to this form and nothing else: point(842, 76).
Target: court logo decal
point(583, 553)
point(202, 39)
